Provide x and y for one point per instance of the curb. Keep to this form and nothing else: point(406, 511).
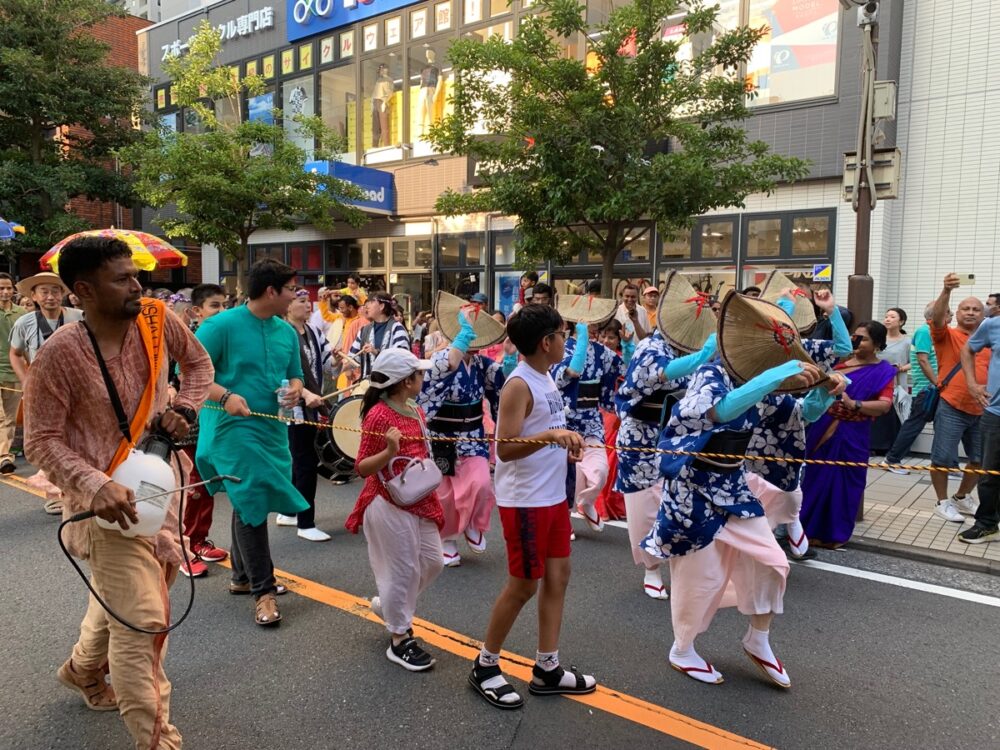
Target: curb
point(932, 556)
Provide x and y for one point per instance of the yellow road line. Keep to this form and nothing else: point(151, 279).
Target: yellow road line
point(624, 706)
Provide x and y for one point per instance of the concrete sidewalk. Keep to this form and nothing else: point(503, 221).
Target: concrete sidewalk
point(899, 519)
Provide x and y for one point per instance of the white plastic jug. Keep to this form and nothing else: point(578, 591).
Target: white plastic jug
point(146, 472)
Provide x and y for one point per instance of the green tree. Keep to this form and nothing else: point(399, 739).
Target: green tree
point(64, 110)
point(235, 177)
point(575, 156)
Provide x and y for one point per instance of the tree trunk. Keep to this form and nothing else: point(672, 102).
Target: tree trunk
point(612, 247)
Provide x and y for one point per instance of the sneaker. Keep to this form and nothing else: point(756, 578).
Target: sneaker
point(314, 535)
point(947, 510)
point(979, 535)
point(208, 552)
point(194, 568)
point(7, 467)
point(409, 655)
point(965, 505)
point(895, 469)
point(283, 520)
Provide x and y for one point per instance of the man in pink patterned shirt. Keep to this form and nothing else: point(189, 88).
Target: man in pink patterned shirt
point(73, 435)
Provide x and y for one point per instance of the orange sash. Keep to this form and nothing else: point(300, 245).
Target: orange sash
point(151, 323)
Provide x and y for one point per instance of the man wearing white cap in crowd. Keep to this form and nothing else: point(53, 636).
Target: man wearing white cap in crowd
point(28, 335)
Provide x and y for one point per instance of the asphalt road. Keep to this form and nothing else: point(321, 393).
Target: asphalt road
point(874, 665)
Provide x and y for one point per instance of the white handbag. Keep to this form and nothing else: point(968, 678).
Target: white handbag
point(418, 478)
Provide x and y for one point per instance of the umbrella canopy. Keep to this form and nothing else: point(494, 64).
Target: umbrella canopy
point(148, 250)
point(10, 228)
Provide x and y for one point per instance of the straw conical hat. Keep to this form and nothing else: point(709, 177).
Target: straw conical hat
point(585, 308)
point(685, 315)
point(488, 330)
point(754, 336)
point(804, 314)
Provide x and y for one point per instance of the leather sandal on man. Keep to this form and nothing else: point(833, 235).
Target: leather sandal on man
point(97, 694)
point(266, 612)
point(239, 589)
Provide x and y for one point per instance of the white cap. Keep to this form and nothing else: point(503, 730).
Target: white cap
point(396, 365)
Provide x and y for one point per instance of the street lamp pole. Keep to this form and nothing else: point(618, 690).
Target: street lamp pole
point(860, 285)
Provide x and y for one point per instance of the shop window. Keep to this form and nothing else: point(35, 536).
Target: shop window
point(275, 252)
point(306, 257)
point(376, 255)
point(401, 254)
point(764, 238)
point(298, 98)
point(717, 239)
point(503, 249)
point(168, 122)
point(260, 108)
point(413, 293)
point(343, 254)
point(474, 250)
point(338, 107)
point(449, 251)
point(227, 112)
point(462, 283)
point(192, 123)
point(638, 249)
point(430, 84)
point(355, 257)
point(504, 30)
point(677, 247)
point(797, 58)
point(382, 80)
point(811, 236)
point(423, 253)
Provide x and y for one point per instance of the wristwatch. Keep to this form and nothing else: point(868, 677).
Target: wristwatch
point(188, 413)
point(857, 406)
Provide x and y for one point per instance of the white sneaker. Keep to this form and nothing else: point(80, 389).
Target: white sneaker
point(895, 469)
point(967, 505)
point(947, 510)
point(283, 520)
point(314, 535)
point(376, 607)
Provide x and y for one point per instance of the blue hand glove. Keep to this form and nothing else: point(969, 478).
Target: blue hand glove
point(741, 400)
point(466, 335)
point(787, 305)
point(509, 363)
point(579, 360)
point(683, 366)
point(842, 345)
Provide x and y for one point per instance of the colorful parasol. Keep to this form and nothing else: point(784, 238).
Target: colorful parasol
point(148, 250)
point(8, 229)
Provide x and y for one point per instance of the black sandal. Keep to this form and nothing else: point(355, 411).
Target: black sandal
point(493, 696)
point(550, 682)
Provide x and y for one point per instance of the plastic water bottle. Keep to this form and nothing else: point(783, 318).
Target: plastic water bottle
point(283, 411)
point(146, 472)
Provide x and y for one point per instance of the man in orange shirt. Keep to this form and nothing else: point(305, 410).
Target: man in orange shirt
point(958, 412)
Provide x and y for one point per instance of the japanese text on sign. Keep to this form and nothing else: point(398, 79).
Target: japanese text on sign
point(245, 25)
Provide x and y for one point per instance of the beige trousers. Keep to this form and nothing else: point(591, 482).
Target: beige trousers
point(10, 397)
point(130, 579)
point(640, 514)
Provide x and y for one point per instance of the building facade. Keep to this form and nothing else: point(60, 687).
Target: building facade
point(378, 74)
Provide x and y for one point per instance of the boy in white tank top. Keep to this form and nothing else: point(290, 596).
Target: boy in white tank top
point(531, 493)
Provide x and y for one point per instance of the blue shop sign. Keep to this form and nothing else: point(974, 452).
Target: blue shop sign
point(378, 187)
point(309, 17)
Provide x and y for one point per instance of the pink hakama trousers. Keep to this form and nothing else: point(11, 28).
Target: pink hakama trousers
point(743, 567)
point(591, 474)
point(640, 514)
point(780, 507)
point(467, 498)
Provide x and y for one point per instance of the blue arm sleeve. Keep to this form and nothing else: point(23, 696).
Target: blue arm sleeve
point(509, 363)
point(815, 404)
point(787, 305)
point(747, 395)
point(466, 334)
point(579, 359)
point(842, 345)
point(682, 366)
point(628, 349)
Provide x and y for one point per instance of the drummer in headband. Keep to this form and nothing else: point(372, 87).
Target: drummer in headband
point(456, 386)
point(382, 332)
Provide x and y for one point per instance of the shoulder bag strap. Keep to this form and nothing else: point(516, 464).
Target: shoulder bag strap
point(953, 373)
point(116, 401)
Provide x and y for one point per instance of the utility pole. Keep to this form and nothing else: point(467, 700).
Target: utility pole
point(860, 285)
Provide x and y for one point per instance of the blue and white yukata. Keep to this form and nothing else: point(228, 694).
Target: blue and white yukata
point(585, 395)
point(448, 398)
point(638, 477)
point(710, 526)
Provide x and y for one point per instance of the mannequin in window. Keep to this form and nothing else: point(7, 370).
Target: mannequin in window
point(431, 84)
point(381, 103)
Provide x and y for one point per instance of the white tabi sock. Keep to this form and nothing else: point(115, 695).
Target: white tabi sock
point(757, 643)
point(688, 661)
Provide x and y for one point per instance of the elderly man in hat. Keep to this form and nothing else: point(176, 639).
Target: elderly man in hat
point(28, 335)
point(455, 387)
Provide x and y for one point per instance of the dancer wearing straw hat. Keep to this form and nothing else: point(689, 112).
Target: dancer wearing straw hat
point(710, 526)
point(452, 398)
point(655, 378)
point(586, 378)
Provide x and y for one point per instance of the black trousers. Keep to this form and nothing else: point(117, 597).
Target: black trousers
point(909, 430)
point(988, 513)
point(305, 469)
point(251, 557)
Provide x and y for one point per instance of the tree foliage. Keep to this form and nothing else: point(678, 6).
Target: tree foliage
point(64, 111)
point(236, 177)
point(580, 160)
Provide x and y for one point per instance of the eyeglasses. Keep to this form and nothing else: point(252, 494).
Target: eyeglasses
point(561, 332)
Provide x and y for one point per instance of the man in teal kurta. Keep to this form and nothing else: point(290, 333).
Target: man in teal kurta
point(253, 349)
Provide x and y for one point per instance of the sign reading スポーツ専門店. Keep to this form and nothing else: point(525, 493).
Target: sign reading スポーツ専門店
point(245, 25)
point(309, 17)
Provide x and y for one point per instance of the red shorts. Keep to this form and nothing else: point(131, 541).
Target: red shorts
point(533, 535)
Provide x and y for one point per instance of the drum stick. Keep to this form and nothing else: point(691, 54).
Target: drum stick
point(343, 390)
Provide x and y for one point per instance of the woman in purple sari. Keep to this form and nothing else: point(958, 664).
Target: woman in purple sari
point(832, 495)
